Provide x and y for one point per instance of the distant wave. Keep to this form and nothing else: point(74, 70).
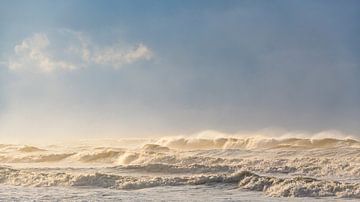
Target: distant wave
point(27, 148)
point(105, 156)
point(193, 143)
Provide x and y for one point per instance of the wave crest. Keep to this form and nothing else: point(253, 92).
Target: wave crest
point(196, 143)
point(30, 149)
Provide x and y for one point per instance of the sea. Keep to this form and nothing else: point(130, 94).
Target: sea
point(183, 168)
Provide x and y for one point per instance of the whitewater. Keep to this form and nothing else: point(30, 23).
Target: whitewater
point(207, 166)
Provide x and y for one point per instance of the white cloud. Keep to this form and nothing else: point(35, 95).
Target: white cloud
point(32, 52)
point(76, 51)
point(116, 57)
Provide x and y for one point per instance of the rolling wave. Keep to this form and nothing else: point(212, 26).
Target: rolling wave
point(271, 186)
point(198, 143)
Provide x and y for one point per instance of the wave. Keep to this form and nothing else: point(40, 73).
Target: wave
point(255, 162)
point(175, 169)
point(271, 186)
point(155, 147)
point(37, 158)
point(106, 156)
point(201, 143)
point(328, 162)
point(168, 147)
point(337, 166)
point(299, 186)
point(30, 149)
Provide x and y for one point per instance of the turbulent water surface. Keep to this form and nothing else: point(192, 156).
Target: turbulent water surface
point(183, 168)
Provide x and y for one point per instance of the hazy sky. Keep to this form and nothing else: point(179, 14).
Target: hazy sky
point(135, 68)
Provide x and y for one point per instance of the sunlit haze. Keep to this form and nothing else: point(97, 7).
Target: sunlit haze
point(203, 100)
point(152, 68)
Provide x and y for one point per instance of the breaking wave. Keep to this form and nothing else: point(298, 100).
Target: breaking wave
point(30, 149)
point(219, 141)
point(321, 165)
point(271, 186)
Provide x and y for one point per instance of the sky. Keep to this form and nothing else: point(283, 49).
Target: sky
point(77, 69)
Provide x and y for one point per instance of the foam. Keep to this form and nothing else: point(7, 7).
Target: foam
point(299, 187)
point(271, 186)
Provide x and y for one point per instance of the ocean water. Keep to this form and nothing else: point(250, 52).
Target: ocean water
point(183, 169)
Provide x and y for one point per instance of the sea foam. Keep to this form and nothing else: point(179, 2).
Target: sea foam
point(287, 166)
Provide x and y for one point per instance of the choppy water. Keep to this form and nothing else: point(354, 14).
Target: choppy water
point(183, 168)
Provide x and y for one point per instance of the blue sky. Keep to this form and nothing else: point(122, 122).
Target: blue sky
point(143, 68)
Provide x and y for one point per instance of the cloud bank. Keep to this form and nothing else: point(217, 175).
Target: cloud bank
point(73, 50)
